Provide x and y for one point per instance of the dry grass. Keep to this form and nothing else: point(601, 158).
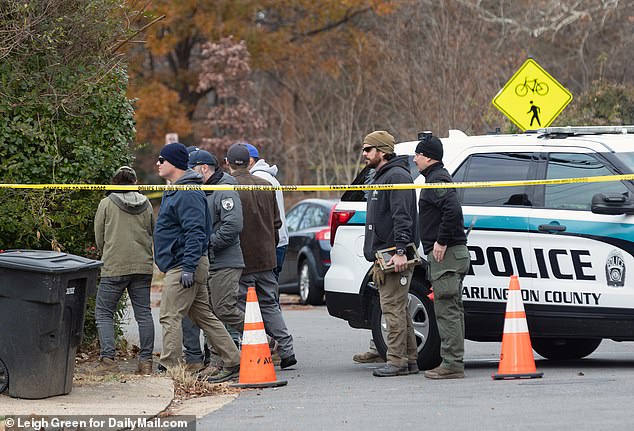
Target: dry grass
point(188, 385)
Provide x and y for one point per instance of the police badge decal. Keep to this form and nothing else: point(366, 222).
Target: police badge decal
point(227, 204)
point(615, 269)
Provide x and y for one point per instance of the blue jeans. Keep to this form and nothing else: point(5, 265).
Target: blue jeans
point(280, 254)
point(191, 341)
point(110, 291)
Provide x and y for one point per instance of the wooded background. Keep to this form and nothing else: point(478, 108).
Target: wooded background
point(305, 80)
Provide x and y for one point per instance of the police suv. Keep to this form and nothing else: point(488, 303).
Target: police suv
point(570, 242)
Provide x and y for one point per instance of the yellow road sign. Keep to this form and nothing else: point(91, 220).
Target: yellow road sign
point(532, 99)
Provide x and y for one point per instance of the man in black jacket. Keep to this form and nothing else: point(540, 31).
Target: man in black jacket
point(391, 222)
point(441, 227)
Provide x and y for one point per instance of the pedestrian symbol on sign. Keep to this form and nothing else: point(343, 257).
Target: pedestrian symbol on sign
point(535, 110)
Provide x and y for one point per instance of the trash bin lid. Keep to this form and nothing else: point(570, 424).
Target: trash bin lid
point(46, 261)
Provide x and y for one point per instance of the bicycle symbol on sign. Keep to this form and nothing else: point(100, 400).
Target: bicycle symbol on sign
point(535, 86)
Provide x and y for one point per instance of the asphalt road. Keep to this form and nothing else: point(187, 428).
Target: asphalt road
point(327, 391)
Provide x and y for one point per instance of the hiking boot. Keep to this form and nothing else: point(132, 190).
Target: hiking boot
point(224, 374)
point(144, 367)
point(194, 367)
point(389, 370)
point(289, 361)
point(412, 368)
point(367, 358)
point(210, 371)
point(443, 373)
point(106, 366)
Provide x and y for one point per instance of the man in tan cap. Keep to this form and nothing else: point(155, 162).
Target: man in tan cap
point(391, 222)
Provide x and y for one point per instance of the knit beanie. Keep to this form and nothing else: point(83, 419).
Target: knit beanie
point(430, 147)
point(176, 154)
point(381, 140)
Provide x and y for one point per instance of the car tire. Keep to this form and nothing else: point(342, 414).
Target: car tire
point(4, 377)
point(421, 308)
point(309, 292)
point(560, 349)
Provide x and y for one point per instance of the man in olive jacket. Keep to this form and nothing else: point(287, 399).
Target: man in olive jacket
point(261, 224)
point(123, 232)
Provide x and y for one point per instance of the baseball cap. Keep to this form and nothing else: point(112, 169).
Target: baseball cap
point(238, 154)
point(201, 157)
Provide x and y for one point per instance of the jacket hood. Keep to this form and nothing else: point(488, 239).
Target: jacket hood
point(190, 177)
point(261, 165)
point(227, 179)
point(130, 202)
point(396, 162)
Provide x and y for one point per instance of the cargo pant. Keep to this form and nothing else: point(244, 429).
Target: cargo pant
point(394, 295)
point(446, 279)
point(177, 301)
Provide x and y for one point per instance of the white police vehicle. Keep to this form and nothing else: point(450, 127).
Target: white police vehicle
point(571, 244)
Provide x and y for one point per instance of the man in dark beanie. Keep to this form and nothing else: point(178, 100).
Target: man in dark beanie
point(259, 239)
point(181, 238)
point(391, 222)
point(444, 241)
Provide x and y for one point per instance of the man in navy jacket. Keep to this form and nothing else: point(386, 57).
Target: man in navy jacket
point(181, 238)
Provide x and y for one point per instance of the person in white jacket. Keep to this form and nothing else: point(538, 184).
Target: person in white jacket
point(260, 168)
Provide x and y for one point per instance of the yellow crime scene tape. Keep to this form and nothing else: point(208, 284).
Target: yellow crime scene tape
point(315, 188)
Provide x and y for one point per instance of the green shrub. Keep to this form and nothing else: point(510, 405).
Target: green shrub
point(64, 118)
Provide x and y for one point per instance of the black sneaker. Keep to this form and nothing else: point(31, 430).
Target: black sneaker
point(161, 369)
point(390, 370)
point(289, 361)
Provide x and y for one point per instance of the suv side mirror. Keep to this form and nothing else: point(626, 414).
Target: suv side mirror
point(612, 204)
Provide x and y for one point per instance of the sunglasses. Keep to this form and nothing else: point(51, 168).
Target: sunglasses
point(161, 160)
point(367, 149)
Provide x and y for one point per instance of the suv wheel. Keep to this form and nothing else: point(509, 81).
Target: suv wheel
point(421, 309)
point(309, 292)
point(565, 348)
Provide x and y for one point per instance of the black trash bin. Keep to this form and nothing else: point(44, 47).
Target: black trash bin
point(43, 298)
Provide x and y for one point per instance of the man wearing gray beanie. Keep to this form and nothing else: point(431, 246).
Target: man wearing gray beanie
point(444, 241)
point(391, 222)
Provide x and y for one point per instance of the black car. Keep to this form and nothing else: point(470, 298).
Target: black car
point(308, 254)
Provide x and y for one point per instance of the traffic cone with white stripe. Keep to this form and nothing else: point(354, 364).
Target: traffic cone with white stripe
point(516, 358)
point(256, 364)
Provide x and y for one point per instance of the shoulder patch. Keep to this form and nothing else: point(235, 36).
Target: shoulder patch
point(440, 192)
point(227, 204)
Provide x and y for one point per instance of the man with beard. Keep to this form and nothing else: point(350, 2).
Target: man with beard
point(391, 222)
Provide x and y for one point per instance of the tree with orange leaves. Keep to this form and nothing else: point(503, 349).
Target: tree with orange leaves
point(282, 36)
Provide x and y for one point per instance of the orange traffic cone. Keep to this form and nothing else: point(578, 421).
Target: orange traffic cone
point(516, 358)
point(256, 364)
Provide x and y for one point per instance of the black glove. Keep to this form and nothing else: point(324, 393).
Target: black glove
point(187, 279)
